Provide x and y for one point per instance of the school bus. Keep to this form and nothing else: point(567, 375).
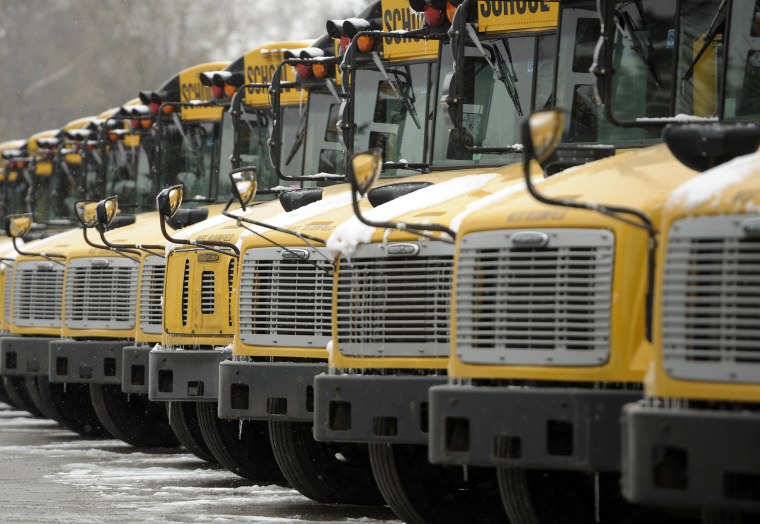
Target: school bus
point(201, 274)
point(689, 444)
point(551, 310)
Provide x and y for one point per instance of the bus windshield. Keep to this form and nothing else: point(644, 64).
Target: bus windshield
point(742, 99)
point(391, 108)
point(494, 105)
point(128, 173)
point(188, 155)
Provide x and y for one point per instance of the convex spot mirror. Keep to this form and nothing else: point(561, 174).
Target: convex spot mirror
point(244, 184)
point(541, 133)
point(86, 211)
point(169, 200)
point(16, 226)
point(106, 211)
point(365, 168)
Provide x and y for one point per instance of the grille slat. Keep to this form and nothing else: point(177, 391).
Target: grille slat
point(7, 291)
point(285, 302)
point(101, 293)
point(541, 306)
point(395, 305)
point(151, 291)
point(38, 294)
point(710, 314)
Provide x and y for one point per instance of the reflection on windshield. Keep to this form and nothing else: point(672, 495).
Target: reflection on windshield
point(742, 100)
point(128, 173)
point(253, 135)
point(187, 157)
point(387, 110)
point(324, 153)
point(54, 195)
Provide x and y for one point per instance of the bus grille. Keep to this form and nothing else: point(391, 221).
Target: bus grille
point(710, 297)
point(101, 293)
point(535, 297)
point(37, 294)
point(151, 291)
point(285, 300)
point(397, 304)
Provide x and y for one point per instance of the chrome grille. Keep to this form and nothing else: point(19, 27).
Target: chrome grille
point(522, 303)
point(101, 293)
point(285, 300)
point(151, 291)
point(7, 291)
point(711, 298)
point(395, 305)
point(37, 294)
point(207, 292)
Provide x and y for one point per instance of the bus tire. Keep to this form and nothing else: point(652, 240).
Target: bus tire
point(420, 492)
point(132, 418)
point(183, 419)
point(728, 517)
point(4, 398)
point(74, 405)
point(15, 387)
point(243, 448)
point(48, 410)
point(313, 469)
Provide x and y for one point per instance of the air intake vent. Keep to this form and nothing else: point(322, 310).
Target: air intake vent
point(710, 297)
point(185, 291)
point(38, 294)
point(101, 293)
point(151, 291)
point(230, 284)
point(207, 292)
point(286, 301)
point(535, 297)
point(393, 302)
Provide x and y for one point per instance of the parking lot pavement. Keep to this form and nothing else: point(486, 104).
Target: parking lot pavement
point(48, 474)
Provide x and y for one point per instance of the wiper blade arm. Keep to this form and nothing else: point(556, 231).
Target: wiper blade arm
point(717, 22)
point(628, 29)
point(397, 90)
point(300, 137)
point(502, 72)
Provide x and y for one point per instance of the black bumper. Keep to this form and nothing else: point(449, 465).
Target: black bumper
point(268, 390)
point(86, 361)
point(370, 408)
point(691, 458)
point(546, 428)
point(185, 375)
point(134, 369)
point(24, 356)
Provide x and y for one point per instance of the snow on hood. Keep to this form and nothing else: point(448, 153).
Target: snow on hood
point(348, 235)
point(203, 225)
point(285, 219)
point(489, 200)
point(711, 184)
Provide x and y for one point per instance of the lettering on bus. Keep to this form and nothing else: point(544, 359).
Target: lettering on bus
point(194, 91)
point(401, 18)
point(398, 16)
point(259, 74)
point(499, 8)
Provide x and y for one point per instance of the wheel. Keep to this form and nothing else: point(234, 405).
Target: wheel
point(74, 406)
point(728, 517)
point(419, 492)
point(241, 447)
point(15, 387)
point(4, 398)
point(132, 418)
point(314, 470)
point(48, 410)
point(183, 419)
point(536, 496)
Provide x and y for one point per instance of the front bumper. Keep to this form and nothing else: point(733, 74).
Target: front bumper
point(546, 428)
point(372, 408)
point(185, 374)
point(692, 458)
point(85, 361)
point(268, 390)
point(134, 369)
point(24, 356)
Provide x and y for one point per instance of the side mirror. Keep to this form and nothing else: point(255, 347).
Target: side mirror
point(244, 184)
point(16, 226)
point(87, 214)
point(106, 211)
point(169, 200)
point(365, 168)
point(541, 133)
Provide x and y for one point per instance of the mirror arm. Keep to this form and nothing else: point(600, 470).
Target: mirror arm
point(205, 245)
point(47, 256)
point(120, 252)
point(237, 113)
point(129, 248)
point(286, 231)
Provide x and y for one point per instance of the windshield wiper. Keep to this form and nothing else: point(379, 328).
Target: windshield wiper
point(503, 71)
point(716, 25)
point(644, 50)
point(300, 137)
point(408, 102)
